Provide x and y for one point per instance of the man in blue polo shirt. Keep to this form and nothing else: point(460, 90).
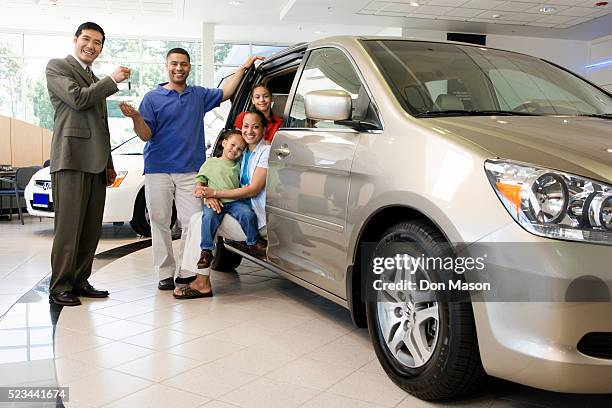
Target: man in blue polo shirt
point(171, 121)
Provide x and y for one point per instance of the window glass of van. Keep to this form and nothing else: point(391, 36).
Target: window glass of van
point(439, 79)
point(326, 68)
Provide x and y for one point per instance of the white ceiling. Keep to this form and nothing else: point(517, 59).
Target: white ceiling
point(564, 13)
point(571, 19)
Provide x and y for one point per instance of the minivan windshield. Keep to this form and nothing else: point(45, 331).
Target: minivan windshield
point(439, 79)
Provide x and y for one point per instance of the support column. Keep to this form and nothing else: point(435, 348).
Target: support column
point(208, 55)
point(405, 32)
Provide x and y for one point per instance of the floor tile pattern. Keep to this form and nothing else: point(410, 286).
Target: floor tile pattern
point(261, 341)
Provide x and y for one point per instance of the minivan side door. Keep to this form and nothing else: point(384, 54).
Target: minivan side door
point(309, 178)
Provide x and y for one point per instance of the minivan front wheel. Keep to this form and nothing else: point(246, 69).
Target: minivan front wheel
point(427, 346)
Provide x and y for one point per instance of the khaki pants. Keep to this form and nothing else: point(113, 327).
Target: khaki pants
point(160, 190)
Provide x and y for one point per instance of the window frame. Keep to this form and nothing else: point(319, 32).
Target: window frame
point(364, 84)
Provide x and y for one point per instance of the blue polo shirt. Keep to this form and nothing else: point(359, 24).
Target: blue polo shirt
point(177, 126)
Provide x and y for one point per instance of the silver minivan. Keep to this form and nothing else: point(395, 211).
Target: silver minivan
point(402, 150)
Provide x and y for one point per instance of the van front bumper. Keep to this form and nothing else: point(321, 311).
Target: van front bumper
point(529, 330)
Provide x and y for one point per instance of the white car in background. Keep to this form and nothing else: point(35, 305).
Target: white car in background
point(125, 199)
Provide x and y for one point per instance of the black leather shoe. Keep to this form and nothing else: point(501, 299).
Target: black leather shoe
point(259, 249)
point(185, 281)
point(90, 292)
point(166, 284)
point(206, 258)
point(64, 299)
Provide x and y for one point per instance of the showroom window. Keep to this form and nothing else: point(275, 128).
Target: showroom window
point(228, 57)
point(23, 89)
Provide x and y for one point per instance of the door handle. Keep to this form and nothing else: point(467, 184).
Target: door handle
point(282, 151)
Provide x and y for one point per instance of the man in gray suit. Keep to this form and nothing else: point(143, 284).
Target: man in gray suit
point(81, 163)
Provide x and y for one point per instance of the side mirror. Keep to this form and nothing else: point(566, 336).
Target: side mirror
point(328, 105)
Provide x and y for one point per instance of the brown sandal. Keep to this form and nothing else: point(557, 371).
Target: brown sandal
point(187, 292)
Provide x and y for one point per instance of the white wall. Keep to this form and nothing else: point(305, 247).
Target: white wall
point(601, 50)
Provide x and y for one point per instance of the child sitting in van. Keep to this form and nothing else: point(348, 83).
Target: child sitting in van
point(223, 173)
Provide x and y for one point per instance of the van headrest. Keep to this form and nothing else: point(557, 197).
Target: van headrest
point(449, 102)
point(278, 104)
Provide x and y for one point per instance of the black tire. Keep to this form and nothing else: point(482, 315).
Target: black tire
point(224, 260)
point(140, 221)
point(454, 367)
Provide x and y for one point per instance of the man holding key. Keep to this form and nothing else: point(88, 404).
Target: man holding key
point(81, 163)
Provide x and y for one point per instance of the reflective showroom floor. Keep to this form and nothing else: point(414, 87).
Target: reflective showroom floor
point(261, 341)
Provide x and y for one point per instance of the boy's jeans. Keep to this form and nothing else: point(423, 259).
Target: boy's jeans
point(238, 209)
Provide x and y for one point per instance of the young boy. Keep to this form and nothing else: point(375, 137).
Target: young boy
point(223, 173)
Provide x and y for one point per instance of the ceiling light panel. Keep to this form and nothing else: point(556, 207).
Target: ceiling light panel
point(407, 8)
point(398, 8)
point(463, 12)
point(524, 17)
point(514, 6)
point(483, 4)
point(450, 3)
point(435, 10)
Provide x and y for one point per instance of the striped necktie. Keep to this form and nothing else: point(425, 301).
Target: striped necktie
point(91, 75)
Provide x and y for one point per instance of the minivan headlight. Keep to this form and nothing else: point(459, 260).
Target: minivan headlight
point(553, 203)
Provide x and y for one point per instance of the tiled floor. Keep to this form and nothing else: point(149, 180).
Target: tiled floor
point(26, 253)
point(261, 341)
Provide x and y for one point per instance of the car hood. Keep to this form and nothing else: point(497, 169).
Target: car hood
point(133, 163)
point(128, 162)
point(572, 144)
point(42, 174)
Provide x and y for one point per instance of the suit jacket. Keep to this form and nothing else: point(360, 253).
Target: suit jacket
point(81, 138)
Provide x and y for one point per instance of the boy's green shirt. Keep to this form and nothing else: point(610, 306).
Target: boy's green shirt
point(220, 175)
